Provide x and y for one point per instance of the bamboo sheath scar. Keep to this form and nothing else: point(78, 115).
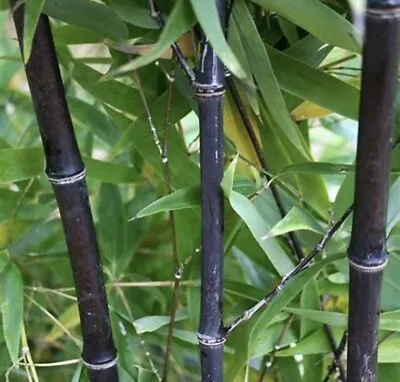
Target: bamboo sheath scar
point(367, 250)
point(66, 172)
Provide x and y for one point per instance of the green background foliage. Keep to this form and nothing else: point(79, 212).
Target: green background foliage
point(297, 66)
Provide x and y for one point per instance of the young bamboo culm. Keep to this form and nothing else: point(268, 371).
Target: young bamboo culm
point(367, 250)
point(66, 173)
point(209, 87)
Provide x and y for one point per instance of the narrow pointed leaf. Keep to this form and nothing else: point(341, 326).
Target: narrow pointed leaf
point(318, 19)
point(88, 14)
point(180, 21)
point(207, 15)
point(33, 9)
point(12, 307)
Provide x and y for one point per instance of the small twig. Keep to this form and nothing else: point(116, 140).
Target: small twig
point(56, 321)
point(335, 366)
point(303, 265)
point(268, 364)
point(177, 265)
point(27, 353)
point(163, 150)
point(142, 343)
point(157, 16)
point(154, 284)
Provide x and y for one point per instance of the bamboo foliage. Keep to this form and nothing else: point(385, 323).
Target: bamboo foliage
point(66, 172)
point(268, 271)
point(367, 251)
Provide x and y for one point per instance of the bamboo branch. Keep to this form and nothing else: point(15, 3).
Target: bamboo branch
point(302, 266)
point(269, 363)
point(157, 16)
point(66, 172)
point(334, 365)
point(367, 251)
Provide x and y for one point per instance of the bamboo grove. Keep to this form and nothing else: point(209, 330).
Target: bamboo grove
point(272, 266)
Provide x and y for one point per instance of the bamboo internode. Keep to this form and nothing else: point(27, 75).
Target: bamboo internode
point(66, 172)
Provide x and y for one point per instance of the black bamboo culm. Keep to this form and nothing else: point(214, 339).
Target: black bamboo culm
point(209, 87)
point(66, 172)
point(367, 249)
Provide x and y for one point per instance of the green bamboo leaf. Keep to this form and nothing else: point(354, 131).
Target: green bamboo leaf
point(33, 9)
point(12, 308)
point(180, 21)
point(255, 222)
point(114, 93)
point(74, 35)
point(185, 198)
point(313, 364)
point(316, 343)
point(330, 318)
point(295, 220)
point(393, 215)
point(4, 259)
point(286, 295)
point(110, 172)
point(20, 164)
point(289, 30)
point(388, 320)
point(69, 319)
point(112, 225)
point(389, 350)
point(153, 323)
point(207, 15)
point(88, 14)
point(318, 19)
point(96, 121)
point(132, 13)
point(309, 83)
point(265, 76)
point(77, 373)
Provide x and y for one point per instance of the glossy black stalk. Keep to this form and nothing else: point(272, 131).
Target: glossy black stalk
point(66, 172)
point(209, 87)
point(367, 250)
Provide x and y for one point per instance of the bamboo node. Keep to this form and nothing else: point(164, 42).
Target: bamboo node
point(384, 13)
point(68, 179)
point(101, 366)
point(210, 341)
point(208, 90)
point(368, 268)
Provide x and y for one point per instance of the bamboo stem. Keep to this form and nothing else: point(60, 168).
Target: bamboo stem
point(367, 250)
point(66, 172)
point(209, 88)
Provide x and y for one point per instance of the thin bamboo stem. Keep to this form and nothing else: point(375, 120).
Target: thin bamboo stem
point(367, 250)
point(209, 88)
point(163, 150)
point(66, 172)
point(334, 366)
point(267, 365)
point(177, 264)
